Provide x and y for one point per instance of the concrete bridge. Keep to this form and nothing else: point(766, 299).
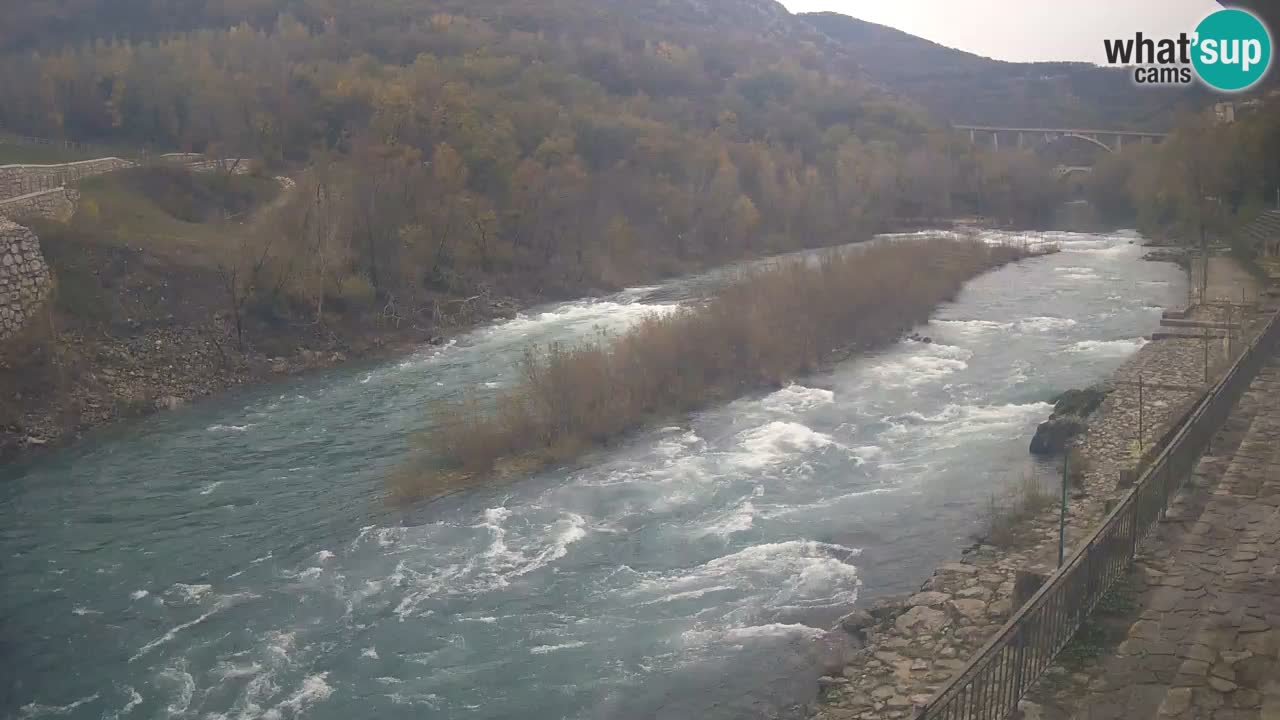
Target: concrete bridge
point(1109, 140)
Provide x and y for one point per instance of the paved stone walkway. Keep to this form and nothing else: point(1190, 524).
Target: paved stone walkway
point(1206, 644)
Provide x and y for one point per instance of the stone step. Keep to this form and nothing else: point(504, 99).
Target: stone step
point(1189, 335)
point(1211, 324)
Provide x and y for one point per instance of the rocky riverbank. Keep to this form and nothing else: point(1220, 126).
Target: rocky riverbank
point(908, 647)
point(62, 379)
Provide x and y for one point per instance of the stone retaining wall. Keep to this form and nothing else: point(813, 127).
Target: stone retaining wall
point(18, 180)
point(25, 281)
point(238, 167)
point(58, 204)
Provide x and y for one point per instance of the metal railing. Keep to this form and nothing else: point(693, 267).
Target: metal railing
point(991, 684)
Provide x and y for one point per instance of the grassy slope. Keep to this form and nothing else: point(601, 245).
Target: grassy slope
point(171, 213)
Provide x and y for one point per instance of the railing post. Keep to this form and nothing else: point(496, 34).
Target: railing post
point(1133, 527)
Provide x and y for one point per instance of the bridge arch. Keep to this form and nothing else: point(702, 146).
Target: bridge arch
point(1089, 139)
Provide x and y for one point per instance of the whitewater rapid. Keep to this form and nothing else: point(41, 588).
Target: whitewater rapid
point(236, 559)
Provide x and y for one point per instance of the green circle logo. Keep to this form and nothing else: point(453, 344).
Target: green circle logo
point(1232, 50)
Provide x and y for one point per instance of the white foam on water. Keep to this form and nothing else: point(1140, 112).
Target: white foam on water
point(774, 442)
point(544, 649)
point(960, 423)
point(280, 644)
point(1077, 272)
point(185, 688)
point(223, 602)
point(868, 452)
point(927, 362)
point(324, 556)
point(502, 561)
point(81, 610)
point(922, 234)
point(314, 689)
point(741, 635)
point(1018, 374)
point(823, 505)
point(35, 710)
point(383, 536)
point(1109, 348)
point(1045, 324)
point(209, 488)
point(971, 327)
point(138, 594)
point(584, 313)
point(183, 592)
point(1112, 249)
point(798, 398)
point(231, 671)
point(370, 653)
point(796, 573)
point(691, 594)
point(135, 699)
point(739, 519)
point(230, 428)
point(670, 447)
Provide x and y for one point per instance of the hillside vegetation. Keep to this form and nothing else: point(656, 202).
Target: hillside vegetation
point(968, 89)
point(1204, 181)
point(461, 148)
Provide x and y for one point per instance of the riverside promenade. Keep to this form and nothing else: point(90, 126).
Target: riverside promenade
point(1203, 639)
point(906, 648)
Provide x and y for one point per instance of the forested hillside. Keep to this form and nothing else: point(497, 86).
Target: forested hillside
point(548, 146)
point(1205, 180)
point(964, 88)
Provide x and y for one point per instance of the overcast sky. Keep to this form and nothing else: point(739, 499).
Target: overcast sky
point(1024, 30)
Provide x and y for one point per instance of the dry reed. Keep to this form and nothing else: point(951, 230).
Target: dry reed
point(770, 325)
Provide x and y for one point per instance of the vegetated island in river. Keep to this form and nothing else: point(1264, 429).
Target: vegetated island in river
point(772, 324)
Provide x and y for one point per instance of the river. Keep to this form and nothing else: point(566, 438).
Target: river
point(236, 559)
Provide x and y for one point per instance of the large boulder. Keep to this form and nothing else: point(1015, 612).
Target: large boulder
point(1080, 403)
point(1052, 435)
point(1067, 420)
point(921, 620)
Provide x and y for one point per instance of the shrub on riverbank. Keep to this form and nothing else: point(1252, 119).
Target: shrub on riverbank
point(1008, 517)
point(772, 324)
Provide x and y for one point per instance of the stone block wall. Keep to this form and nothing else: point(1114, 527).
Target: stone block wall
point(16, 180)
point(25, 281)
point(59, 204)
point(208, 166)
